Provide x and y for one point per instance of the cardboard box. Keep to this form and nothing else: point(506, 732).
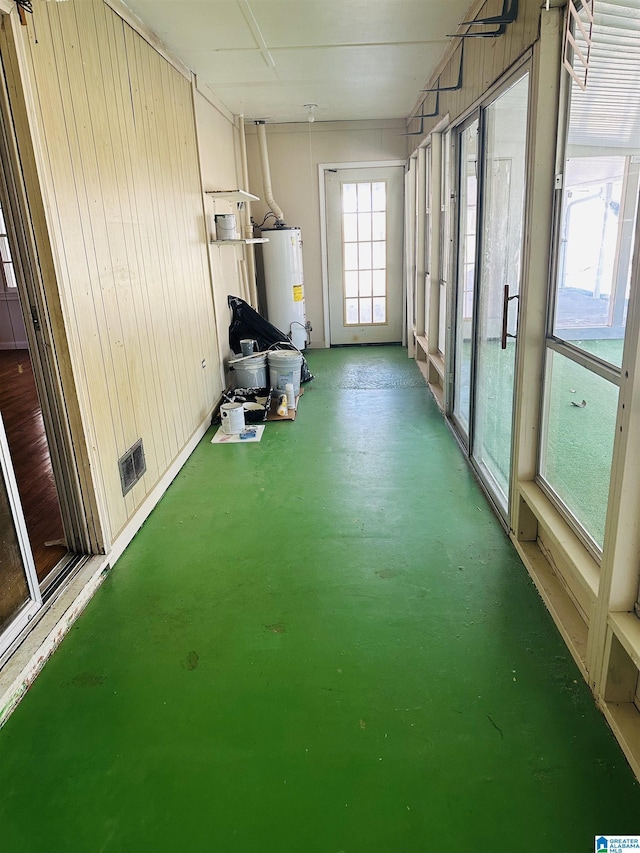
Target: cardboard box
point(291, 413)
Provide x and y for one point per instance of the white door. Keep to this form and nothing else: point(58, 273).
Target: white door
point(364, 254)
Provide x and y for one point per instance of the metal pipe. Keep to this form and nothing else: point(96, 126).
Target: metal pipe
point(266, 174)
point(248, 227)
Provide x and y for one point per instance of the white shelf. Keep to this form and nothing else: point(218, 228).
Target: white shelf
point(237, 195)
point(626, 627)
point(239, 242)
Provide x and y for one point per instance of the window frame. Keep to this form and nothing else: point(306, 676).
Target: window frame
point(554, 343)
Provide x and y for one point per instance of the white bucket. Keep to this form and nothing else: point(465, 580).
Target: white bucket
point(232, 417)
point(226, 226)
point(251, 372)
point(285, 367)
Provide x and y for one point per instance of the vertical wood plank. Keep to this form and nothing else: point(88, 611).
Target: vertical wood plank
point(122, 171)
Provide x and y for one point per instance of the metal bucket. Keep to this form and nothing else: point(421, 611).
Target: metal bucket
point(226, 228)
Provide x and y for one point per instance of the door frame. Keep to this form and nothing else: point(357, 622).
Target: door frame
point(523, 66)
point(323, 168)
point(466, 441)
point(20, 622)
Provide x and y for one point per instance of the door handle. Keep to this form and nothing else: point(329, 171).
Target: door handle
point(506, 299)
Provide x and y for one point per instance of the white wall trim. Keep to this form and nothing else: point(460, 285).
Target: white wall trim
point(324, 264)
point(7, 6)
point(27, 662)
point(139, 26)
point(212, 99)
point(6, 345)
point(364, 164)
point(324, 259)
point(20, 671)
point(144, 511)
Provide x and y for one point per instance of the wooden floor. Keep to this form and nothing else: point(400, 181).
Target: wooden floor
point(24, 427)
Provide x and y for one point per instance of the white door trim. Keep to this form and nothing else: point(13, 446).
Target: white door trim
point(324, 257)
point(33, 605)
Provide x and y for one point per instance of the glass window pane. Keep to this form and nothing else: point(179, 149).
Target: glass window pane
point(3, 227)
point(379, 255)
point(351, 312)
point(365, 311)
point(379, 229)
point(349, 198)
point(350, 227)
point(380, 310)
point(364, 226)
point(5, 255)
point(351, 256)
point(578, 431)
point(599, 199)
point(364, 197)
point(379, 282)
point(365, 283)
point(351, 284)
point(502, 229)
point(10, 276)
point(379, 193)
point(364, 256)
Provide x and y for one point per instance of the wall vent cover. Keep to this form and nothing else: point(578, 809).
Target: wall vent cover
point(132, 466)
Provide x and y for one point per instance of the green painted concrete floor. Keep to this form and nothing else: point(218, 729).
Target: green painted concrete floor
point(322, 642)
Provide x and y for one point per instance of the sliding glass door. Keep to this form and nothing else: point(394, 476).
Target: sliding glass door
point(466, 274)
point(19, 592)
point(491, 191)
point(502, 231)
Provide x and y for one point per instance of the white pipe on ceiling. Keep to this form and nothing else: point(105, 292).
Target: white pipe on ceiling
point(266, 173)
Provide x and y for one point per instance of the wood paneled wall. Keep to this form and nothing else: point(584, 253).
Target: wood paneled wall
point(122, 186)
point(484, 61)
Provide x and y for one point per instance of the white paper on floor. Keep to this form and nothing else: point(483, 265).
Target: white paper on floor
point(222, 438)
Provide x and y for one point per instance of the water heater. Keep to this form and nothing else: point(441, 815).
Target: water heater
point(284, 282)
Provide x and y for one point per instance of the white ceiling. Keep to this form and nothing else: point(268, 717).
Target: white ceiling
point(266, 59)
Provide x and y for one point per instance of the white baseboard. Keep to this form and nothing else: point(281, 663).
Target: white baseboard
point(54, 622)
point(51, 627)
point(140, 516)
point(13, 345)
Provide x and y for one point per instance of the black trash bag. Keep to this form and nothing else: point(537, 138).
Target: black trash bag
point(247, 323)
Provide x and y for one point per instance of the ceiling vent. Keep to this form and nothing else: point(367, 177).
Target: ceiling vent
point(132, 466)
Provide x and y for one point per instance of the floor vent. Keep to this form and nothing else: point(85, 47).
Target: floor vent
point(132, 466)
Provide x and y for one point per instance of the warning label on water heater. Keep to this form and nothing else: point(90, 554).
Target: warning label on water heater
point(298, 293)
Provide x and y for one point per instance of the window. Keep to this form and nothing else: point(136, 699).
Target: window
point(8, 282)
point(593, 252)
point(364, 236)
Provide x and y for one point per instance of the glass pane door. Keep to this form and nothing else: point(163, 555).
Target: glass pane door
point(19, 594)
point(502, 228)
point(364, 229)
point(466, 274)
point(365, 254)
